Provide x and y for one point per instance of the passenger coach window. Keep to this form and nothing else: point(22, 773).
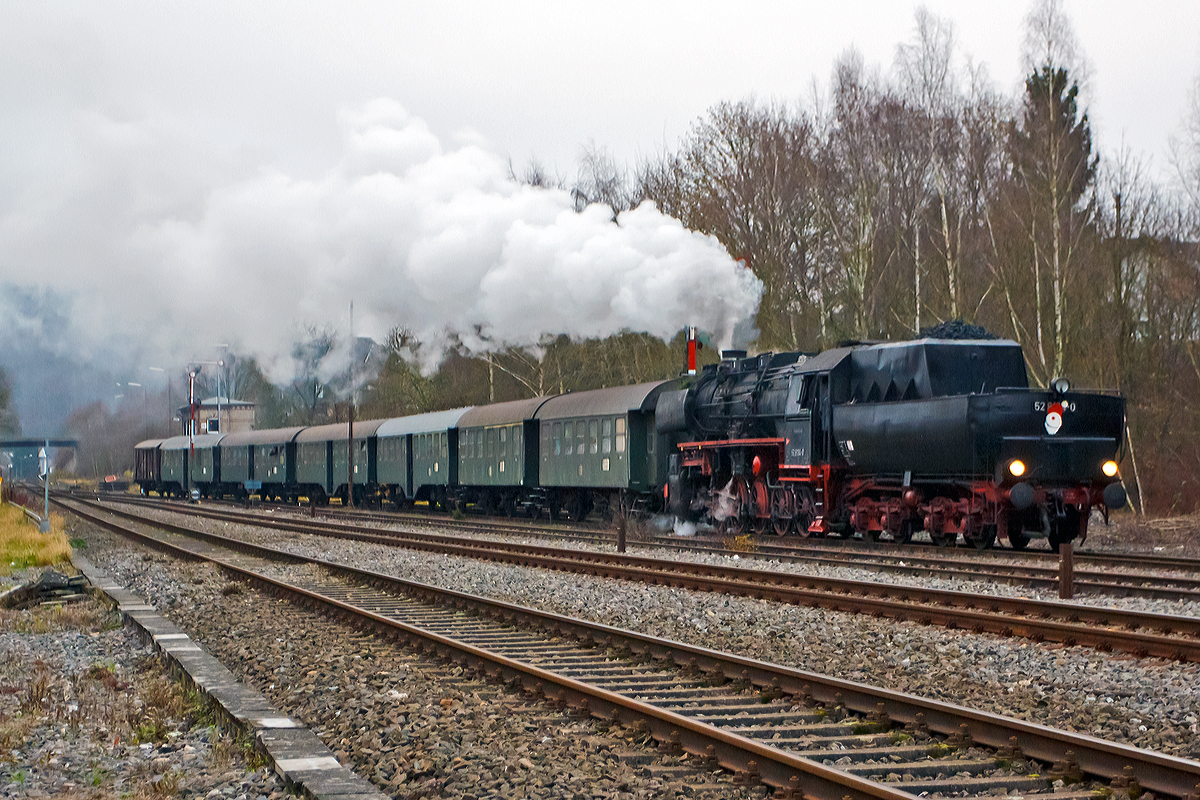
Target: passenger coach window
point(558, 438)
point(594, 436)
point(620, 434)
point(606, 441)
point(504, 441)
point(570, 441)
point(579, 432)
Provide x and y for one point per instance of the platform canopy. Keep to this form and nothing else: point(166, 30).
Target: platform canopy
point(17, 444)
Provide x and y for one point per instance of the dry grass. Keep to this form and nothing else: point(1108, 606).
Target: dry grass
point(88, 616)
point(23, 546)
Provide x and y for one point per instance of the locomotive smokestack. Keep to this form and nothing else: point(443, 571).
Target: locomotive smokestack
point(691, 345)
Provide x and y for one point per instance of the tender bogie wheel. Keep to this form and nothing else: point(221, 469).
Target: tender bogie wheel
point(985, 539)
point(1064, 530)
point(1017, 538)
point(945, 539)
point(905, 534)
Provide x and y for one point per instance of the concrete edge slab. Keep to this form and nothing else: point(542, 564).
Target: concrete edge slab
point(301, 759)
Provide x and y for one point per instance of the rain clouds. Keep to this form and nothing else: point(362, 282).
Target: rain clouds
point(156, 251)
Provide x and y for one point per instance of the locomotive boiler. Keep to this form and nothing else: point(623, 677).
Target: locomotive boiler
point(888, 439)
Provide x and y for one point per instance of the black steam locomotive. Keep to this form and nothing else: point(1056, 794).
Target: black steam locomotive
point(888, 439)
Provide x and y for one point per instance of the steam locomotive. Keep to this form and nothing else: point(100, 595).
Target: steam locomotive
point(888, 439)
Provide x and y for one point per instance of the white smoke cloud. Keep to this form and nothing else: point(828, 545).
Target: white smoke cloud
point(180, 251)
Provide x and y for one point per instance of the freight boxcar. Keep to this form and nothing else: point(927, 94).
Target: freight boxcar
point(147, 465)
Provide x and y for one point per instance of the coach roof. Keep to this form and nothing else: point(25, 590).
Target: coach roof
point(325, 433)
point(422, 423)
point(603, 402)
point(501, 413)
point(203, 442)
point(270, 436)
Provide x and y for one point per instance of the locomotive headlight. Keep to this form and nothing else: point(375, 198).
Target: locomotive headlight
point(1016, 467)
point(1110, 469)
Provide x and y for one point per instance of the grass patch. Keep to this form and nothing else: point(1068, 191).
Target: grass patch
point(83, 616)
point(23, 546)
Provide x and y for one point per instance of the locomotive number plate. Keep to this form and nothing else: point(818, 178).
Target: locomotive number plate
point(1044, 405)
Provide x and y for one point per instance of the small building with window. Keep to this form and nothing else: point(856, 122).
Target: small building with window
point(236, 416)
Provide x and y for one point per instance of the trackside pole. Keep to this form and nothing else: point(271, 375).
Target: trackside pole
point(1066, 571)
point(45, 526)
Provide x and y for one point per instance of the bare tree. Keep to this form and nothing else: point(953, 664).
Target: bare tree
point(1049, 39)
point(745, 176)
point(601, 180)
point(1049, 199)
point(925, 68)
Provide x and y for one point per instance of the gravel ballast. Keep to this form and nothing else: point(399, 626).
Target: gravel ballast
point(1148, 703)
point(87, 711)
point(413, 726)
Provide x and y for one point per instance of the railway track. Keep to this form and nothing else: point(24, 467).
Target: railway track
point(804, 734)
point(1094, 573)
point(1106, 629)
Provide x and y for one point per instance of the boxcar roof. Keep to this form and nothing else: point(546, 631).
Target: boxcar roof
point(422, 423)
point(203, 441)
point(149, 444)
point(269, 436)
point(336, 431)
point(608, 402)
point(501, 413)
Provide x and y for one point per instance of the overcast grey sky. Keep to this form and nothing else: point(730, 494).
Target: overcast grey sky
point(265, 80)
point(157, 158)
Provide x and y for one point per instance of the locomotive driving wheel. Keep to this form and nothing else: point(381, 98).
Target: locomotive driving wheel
point(806, 510)
point(783, 510)
point(738, 507)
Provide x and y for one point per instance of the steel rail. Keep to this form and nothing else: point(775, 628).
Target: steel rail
point(1106, 629)
point(1097, 757)
point(957, 563)
point(737, 753)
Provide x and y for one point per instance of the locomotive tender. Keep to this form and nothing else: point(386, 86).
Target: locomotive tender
point(879, 439)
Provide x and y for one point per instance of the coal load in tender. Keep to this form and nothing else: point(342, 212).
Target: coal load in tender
point(956, 329)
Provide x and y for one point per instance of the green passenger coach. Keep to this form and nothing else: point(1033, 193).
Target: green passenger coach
point(599, 448)
point(497, 455)
point(417, 457)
